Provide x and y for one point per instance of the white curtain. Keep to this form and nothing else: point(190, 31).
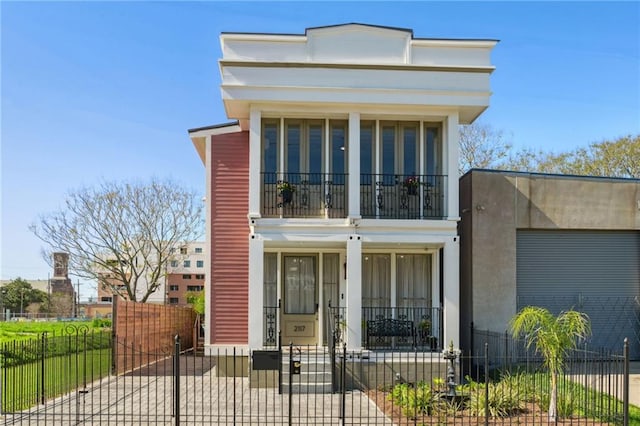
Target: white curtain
point(331, 277)
point(413, 280)
point(300, 284)
point(270, 298)
point(376, 276)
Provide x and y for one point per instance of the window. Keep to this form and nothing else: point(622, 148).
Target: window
point(106, 299)
point(433, 150)
point(198, 250)
point(199, 276)
point(194, 288)
point(174, 263)
point(306, 149)
point(174, 300)
point(200, 263)
point(186, 263)
point(183, 250)
point(174, 287)
point(186, 276)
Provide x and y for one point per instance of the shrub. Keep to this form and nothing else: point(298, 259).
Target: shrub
point(101, 323)
point(413, 399)
point(503, 401)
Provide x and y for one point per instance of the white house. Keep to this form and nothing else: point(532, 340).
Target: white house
point(361, 122)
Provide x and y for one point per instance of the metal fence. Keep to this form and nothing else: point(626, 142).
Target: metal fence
point(295, 385)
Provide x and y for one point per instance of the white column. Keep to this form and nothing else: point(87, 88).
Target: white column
point(451, 292)
point(255, 167)
point(256, 289)
point(352, 150)
point(354, 292)
point(453, 154)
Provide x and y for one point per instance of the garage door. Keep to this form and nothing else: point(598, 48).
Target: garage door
point(597, 273)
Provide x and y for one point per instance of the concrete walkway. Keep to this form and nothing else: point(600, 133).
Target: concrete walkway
point(206, 399)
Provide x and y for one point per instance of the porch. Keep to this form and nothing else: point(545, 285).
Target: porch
point(383, 328)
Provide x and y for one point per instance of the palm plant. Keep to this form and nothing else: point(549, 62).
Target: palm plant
point(553, 337)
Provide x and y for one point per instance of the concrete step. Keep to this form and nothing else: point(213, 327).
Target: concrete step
point(303, 388)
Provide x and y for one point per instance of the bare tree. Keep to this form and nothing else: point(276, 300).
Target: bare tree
point(482, 146)
point(123, 234)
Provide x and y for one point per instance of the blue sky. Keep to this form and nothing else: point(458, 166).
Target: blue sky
point(98, 91)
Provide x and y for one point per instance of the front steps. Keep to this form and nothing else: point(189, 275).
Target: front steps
point(315, 371)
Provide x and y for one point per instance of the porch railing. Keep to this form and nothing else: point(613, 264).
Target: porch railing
point(424, 325)
point(321, 195)
point(270, 332)
point(388, 196)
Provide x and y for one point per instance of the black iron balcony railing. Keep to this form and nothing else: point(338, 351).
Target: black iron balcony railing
point(322, 195)
point(402, 327)
point(403, 196)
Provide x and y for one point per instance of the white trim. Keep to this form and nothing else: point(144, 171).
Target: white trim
point(215, 131)
point(353, 165)
point(256, 292)
point(208, 240)
point(353, 302)
point(255, 162)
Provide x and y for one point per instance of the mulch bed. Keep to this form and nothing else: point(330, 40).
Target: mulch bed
point(530, 415)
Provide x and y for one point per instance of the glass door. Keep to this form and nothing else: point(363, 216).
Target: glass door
point(300, 299)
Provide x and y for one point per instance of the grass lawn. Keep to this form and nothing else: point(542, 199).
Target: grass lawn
point(24, 330)
point(22, 384)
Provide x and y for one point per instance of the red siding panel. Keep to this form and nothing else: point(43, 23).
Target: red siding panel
point(229, 238)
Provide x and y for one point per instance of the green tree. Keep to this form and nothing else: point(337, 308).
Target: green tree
point(123, 235)
point(18, 294)
point(552, 337)
point(616, 158)
point(196, 300)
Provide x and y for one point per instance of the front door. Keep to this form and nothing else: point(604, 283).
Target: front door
point(300, 300)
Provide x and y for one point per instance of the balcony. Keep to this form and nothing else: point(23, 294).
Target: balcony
point(317, 195)
point(402, 196)
point(325, 195)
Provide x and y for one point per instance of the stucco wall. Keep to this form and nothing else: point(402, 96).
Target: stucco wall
point(493, 205)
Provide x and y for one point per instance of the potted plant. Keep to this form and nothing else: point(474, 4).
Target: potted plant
point(424, 329)
point(411, 183)
point(286, 191)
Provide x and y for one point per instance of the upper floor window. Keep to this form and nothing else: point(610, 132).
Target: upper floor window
point(199, 263)
point(199, 276)
point(186, 276)
point(303, 149)
point(174, 263)
point(404, 148)
point(198, 249)
point(183, 250)
point(186, 263)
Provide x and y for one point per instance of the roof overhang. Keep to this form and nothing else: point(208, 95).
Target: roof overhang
point(200, 135)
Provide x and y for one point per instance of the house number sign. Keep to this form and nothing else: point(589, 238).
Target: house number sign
point(300, 328)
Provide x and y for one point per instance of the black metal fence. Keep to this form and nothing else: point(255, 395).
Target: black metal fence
point(35, 371)
point(304, 195)
point(293, 385)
